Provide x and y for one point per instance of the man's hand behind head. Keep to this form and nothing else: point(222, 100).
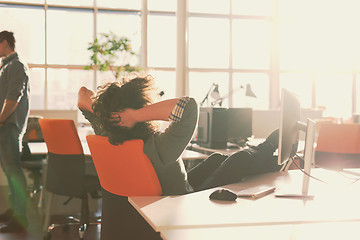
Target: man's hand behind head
point(125, 118)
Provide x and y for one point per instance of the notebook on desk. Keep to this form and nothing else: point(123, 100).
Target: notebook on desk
point(256, 192)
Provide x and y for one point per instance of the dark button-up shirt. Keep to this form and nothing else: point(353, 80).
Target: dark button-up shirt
point(14, 85)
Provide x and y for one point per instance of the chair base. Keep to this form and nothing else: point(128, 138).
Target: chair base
point(35, 169)
point(83, 222)
point(65, 226)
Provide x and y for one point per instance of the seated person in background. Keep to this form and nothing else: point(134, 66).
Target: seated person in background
point(125, 111)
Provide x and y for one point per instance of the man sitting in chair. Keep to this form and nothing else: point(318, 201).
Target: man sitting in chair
point(125, 111)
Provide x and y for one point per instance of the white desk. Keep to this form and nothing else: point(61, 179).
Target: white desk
point(308, 231)
point(196, 211)
point(40, 148)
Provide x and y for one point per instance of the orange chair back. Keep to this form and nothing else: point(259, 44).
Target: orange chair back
point(124, 169)
point(65, 158)
point(61, 136)
point(339, 138)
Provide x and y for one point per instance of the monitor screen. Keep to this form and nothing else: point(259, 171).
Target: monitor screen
point(239, 124)
point(212, 128)
point(203, 127)
point(288, 131)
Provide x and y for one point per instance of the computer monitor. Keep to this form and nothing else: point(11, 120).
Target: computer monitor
point(239, 124)
point(212, 128)
point(289, 123)
point(218, 126)
point(290, 126)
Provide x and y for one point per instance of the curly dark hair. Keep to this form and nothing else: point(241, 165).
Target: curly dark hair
point(135, 93)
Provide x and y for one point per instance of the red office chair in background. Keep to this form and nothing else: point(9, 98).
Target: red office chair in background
point(124, 170)
point(338, 145)
point(66, 170)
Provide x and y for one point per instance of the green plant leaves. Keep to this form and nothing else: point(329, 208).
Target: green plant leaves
point(107, 50)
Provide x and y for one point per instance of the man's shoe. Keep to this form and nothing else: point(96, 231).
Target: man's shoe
point(271, 142)
point(14, 225)
point(7, 215)
point(273, 139)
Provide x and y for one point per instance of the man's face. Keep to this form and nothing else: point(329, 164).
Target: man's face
point(3, 46)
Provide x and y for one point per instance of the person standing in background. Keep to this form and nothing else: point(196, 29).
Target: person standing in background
point(14, 107)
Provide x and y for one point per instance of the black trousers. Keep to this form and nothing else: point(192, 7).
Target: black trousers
point(219, 169)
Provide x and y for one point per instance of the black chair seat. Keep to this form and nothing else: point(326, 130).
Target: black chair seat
point(32, 165)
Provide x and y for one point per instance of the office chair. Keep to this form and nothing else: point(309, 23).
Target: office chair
point(124, 170)
point(66, 171)
point(29, 161)
point(338, 146)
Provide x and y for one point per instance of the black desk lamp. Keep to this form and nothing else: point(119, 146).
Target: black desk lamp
point(213, 92)
point(248, 93)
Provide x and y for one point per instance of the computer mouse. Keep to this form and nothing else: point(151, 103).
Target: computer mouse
point(223, 194)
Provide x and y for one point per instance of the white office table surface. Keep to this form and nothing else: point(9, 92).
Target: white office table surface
point(332, 203)
point(40, 148)
point(313, 231)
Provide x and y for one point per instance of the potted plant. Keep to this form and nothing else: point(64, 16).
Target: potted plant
point(111, 53)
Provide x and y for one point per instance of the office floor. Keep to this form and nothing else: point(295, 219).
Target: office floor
point(34, 231)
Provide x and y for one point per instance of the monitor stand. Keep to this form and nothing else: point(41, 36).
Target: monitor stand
point(309, 152)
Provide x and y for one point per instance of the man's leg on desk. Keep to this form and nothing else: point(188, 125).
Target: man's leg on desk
point(254, 160)
point(198, 174)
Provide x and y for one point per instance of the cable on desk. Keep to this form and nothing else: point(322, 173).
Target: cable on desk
point(337, 171)
point(309, 175)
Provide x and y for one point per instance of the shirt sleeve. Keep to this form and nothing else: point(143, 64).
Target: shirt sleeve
point(172, 142)
point(18, 80)
point(178, 110)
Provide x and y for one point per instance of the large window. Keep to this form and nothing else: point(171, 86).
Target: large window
point(69, 29)
point(161, 45)
point(53, 38)
point(319, 53)
point(230, 45)
point(30, 35)
point(308, 47)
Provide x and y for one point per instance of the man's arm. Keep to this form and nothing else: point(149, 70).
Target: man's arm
point(8, 108)
point(85, 99)
point(157, 111)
